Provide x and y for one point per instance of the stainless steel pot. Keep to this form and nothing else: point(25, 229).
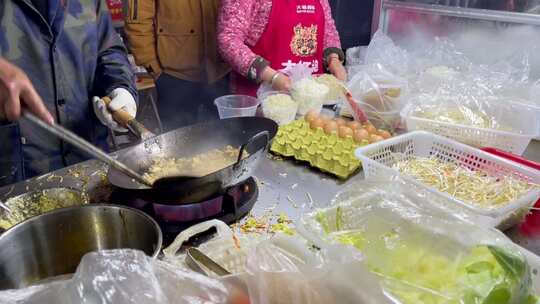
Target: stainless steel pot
point(52, 244)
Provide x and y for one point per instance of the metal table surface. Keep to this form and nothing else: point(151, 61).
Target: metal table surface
point(285, 187)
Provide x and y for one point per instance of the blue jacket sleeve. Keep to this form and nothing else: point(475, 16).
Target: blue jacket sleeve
point(113, 68)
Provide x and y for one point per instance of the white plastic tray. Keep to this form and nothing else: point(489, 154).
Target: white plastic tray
point(377, 160)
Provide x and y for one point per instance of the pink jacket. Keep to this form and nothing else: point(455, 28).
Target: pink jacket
point(241, 24)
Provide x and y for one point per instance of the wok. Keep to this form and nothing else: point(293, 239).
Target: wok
point(251, 134)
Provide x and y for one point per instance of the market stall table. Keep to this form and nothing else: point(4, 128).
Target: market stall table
point(285, 187)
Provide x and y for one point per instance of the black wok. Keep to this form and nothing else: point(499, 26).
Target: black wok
point(252, 134)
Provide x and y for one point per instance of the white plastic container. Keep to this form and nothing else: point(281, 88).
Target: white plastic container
point(378, 158)
point(281, 114)
point(236, 106)
point(524, 119)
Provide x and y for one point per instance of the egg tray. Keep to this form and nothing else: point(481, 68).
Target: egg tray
point(329, 153)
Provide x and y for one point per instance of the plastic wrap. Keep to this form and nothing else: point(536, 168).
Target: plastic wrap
point(448, 87)
point(380, 94)
point(226, 248)
point(420, 254)
point(382, 50)
point(124, 276)
point(285, 270)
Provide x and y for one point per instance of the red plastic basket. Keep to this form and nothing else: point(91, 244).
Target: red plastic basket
point(531, 224)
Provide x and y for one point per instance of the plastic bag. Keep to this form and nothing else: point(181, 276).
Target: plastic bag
point(420, 254)
point(284, 270)
point(226, 248)
point(379, 93)
point(124, 276)
point(377, 88)
point(382, 50)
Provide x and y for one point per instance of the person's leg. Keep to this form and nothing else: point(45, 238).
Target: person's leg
point(211, 92)
point(175, 102)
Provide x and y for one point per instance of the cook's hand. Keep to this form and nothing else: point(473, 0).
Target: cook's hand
point(336, 68)
point(16, 91)
point(278, 80)
point(120, 99)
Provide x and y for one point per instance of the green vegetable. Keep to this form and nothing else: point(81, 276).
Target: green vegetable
point(414, 272)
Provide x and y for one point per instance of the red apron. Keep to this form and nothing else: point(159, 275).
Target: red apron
point(294, 35)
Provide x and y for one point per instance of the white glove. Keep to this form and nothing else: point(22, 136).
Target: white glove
point(120, 99)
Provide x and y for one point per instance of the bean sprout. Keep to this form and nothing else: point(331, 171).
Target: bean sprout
point(472, 186)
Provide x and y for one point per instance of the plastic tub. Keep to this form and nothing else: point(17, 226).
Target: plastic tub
point(236, 106)
point(378, 158)
point(283, 114)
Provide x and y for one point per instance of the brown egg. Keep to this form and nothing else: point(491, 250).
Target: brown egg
point(354, 125)
point(341, 122)
point(360, 135)
point(316, 124)
point(324, 119)
point(345, 132)
point(375, 138)
point(371, 129)
point(384, 134)
point(310, 116)
point(331, 127)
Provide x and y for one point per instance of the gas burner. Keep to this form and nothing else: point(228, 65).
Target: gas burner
point(229, 207)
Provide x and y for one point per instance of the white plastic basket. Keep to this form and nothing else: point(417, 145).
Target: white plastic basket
point(378, 158)
point(522, 118)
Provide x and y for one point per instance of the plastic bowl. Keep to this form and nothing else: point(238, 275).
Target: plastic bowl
point(236, 106)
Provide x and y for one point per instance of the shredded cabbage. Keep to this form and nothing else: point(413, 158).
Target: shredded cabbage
point(309, 94)
point(279, 107)
point(414, 272)
point(335, 87)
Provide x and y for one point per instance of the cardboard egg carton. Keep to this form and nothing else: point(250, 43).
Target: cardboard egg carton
point(329, 153)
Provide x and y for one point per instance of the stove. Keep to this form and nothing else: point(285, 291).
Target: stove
point(229, 207)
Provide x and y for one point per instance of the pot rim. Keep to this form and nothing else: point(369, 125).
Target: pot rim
point(155, 225)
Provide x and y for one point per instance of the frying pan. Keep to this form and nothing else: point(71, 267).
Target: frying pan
point(251, 134)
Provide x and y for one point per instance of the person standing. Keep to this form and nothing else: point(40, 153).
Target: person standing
point(259, 38)
point(176, 42)
point(57, 58)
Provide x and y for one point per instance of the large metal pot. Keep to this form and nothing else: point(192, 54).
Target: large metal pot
point(52, 244)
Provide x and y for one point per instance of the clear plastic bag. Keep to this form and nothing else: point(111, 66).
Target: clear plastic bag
point(421, 254)
point(124, 276)
point(378, 89)
point(226, 248)
point(380, 94)
point(382, 50)
point(284, 270)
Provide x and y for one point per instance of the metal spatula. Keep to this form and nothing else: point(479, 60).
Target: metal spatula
point(85, 146)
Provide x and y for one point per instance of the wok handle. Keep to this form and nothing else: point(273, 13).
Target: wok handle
point(127, 121)
point(255, 137)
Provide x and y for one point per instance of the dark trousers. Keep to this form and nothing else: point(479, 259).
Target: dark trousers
point(181, 103)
